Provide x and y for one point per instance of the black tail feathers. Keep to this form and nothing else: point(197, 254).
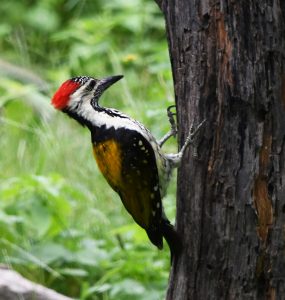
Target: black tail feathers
point(172, 238)
point(155, 236)
point(167, 231)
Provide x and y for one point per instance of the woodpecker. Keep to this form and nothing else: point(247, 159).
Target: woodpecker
point(127, 154)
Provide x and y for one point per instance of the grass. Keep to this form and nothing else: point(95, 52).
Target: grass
point(61, 224)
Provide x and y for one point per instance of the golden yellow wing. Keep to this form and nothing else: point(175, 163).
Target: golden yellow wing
point(127, 161)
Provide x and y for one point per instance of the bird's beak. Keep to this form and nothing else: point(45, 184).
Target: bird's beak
point(108, 81)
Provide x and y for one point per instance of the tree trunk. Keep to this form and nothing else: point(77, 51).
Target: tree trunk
point(228, 67)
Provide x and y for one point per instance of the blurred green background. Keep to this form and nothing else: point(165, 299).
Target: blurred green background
point(61, 225)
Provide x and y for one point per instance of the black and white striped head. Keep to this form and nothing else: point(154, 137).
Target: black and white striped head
point(78, 90)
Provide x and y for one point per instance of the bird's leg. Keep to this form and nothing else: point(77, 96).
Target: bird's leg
point(173, 130)
point(175, 159)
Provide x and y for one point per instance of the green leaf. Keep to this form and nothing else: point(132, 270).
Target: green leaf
point(51, 252)
point(39, 218)
point(100, 289)
point(127, 287)
point(9, 219)
point(73, 272)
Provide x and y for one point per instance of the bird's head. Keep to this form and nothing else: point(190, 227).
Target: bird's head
point(80, 90)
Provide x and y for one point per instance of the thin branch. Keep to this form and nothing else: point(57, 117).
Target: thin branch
point(14, 286)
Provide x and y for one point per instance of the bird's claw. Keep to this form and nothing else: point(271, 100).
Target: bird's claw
point(192, 137)
point(171, 119)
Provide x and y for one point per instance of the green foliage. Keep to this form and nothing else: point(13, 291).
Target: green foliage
point(61, 225)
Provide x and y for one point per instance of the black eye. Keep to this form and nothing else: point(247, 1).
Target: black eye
point(91, 85)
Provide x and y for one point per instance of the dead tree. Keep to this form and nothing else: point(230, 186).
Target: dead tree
point(227, 61)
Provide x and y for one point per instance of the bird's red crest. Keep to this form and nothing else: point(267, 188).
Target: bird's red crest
point(61, 97)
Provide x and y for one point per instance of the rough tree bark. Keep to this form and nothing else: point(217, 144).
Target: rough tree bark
point(228, 66)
